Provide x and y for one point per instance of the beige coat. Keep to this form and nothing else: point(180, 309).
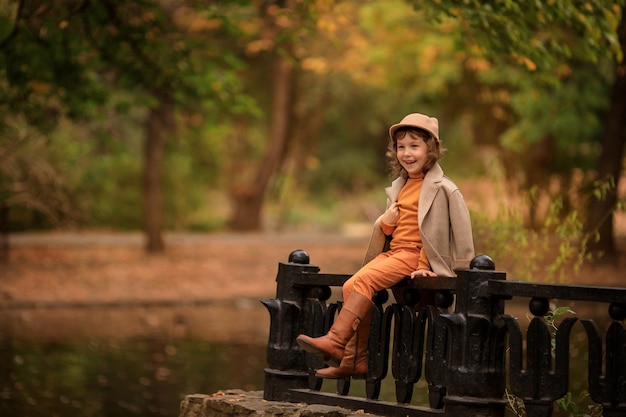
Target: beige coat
point(443, 220)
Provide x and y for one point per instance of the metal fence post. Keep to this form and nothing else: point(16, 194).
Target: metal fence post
point(475, 378)
point(287, 368)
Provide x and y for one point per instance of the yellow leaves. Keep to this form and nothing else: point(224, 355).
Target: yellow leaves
point(563, 71)
point(616, 9)
point(478, 64)
point(498, 113)
point(259, 45)
point(318, 65)
point(187, 17)
point(312, 163)
point(200, 24)
point(327, 24)
point(40, 87)
point(428, 58)
point(527, 62)
point(283, 21)
point(336, 19)
point(273, 10)
point(281, 16)
point(324, 6)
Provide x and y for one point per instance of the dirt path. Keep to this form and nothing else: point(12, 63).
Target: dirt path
point(108, 267)
point(112, 267)
point(204, 285)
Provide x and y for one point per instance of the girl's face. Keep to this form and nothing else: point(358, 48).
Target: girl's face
point(412, 153)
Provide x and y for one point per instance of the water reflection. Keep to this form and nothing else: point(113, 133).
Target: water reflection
point(141, 376)
point(126, 362)
point(143, 361)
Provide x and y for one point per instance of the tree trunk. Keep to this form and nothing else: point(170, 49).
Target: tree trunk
point(610, 165)
point(248, 199)
point(159, 124)
point(4, 233)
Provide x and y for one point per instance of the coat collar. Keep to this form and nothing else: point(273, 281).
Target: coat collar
point(429, 189)
point(394, 191)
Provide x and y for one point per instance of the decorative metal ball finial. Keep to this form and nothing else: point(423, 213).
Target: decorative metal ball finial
point(299, 256)
point(483, 262)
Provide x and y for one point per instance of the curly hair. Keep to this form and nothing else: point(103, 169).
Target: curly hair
point(435, 150)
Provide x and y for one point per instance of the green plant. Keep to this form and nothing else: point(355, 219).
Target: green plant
point(557, 246)
point(573, 407)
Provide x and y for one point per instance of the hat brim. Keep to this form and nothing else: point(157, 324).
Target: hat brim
point(394, 128)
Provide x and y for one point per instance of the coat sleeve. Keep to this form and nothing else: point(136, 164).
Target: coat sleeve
point(462, 240)
point(377, 242)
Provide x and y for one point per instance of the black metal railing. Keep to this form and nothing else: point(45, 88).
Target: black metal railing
point(466, 356)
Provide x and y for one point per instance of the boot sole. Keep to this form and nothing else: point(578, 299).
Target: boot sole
point(357, 376)
point(329, 360)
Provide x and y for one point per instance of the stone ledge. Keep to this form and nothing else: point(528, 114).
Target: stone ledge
point(238, 403)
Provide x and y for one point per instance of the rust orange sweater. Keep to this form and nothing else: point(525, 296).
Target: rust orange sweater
point(406, 232)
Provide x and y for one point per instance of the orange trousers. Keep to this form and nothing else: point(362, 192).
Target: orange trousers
point(382, 272)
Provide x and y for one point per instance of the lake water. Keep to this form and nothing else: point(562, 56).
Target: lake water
point(129, 361)
point(142, 361)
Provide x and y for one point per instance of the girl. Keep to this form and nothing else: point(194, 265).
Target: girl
point(424, 232)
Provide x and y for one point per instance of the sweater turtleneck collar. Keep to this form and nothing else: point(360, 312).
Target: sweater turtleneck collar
point(419, 176)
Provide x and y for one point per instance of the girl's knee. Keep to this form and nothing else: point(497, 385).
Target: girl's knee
point(347, 288)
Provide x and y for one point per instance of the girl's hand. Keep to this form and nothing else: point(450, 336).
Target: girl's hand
point(423, 273)
point(392, 214)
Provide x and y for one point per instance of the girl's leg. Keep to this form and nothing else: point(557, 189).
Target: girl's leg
point(332, 344)
point(382, 272)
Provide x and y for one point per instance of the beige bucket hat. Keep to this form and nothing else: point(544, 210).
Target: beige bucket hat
point(429, 124)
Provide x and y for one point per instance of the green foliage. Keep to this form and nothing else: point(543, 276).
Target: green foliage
point(90, 62)
point(499, 74)
point(538, 35)
point(558, 112)
point(557, 248)
point(539, 75)
point(398, 63)
point(41, 187)
point(578, 407)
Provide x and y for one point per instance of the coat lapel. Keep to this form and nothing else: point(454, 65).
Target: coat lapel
point(394, 191)
point(429, 190)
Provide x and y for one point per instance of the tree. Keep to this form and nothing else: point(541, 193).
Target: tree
point(61, 59)
point(610, 163)
point(553, 40)
point(280, 21)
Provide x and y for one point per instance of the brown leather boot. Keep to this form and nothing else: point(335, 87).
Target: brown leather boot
point(332, 345)
point(354, 362)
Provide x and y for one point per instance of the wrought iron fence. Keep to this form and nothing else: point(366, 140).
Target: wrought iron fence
point(466, 355)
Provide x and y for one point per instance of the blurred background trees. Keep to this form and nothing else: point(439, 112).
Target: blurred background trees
point(185, 115)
